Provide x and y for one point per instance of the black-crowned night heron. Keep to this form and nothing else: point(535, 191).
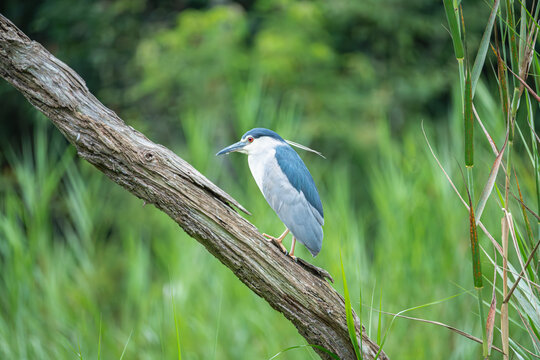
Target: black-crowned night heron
point(286, 184)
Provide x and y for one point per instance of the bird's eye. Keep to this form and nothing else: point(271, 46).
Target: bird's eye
point(250, 139)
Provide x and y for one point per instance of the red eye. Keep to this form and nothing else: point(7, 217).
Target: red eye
point(250, 139)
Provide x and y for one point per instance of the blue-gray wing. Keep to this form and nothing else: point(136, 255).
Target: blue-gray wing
point(299, 176)
point(293, 200)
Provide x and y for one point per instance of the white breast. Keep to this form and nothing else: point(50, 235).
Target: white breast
point(262, 158)
point(259, 163)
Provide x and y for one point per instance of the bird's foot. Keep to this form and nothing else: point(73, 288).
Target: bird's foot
point(277, 241)
point(291, 256)
point(283, 249)
point(269, 237)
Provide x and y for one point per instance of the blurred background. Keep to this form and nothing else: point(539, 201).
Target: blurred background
point(88, 272)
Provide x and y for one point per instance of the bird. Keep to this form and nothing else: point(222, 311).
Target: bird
point(287, 186)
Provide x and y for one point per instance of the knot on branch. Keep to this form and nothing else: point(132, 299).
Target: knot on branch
point(149, 157)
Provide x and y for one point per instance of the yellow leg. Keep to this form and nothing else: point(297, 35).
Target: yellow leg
point(291, 254)
point(278, 240)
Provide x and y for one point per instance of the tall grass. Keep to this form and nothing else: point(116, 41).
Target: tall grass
point(88, 272)
point(519, 40)
point(85, 265)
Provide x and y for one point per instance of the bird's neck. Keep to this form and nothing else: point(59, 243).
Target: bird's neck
point(259, 163)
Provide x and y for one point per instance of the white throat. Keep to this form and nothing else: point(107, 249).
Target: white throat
point(262, 157)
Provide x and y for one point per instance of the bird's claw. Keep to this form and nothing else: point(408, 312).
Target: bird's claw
point(285, 251)
point(277, 243)
point(291, 256)
point(281, 246)
point(269, 237)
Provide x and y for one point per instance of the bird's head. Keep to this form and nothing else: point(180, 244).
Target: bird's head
point(260, 140)
point(254, 141)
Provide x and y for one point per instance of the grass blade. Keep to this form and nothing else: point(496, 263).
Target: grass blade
point(176, 328)
point(438, 323)
point(475, 249)
point(504, 306)
point(488, 234)
point(360, 319)
point(332, 355)
point(99, 340)
point(407, 310)
point(218, 322)
point(531, 330)
point(484, 45)
point(509, 294)
point(490, 323)
point(524, 83)
point(486, 192)
point(477, 273)
point(454, 29)
point(379, 323)
point(371, 308)
point(348, 310)
point(503, 85)
point(486, 134)
point(125, 346)
point(522, 34)
point(468, 122)
point(512, 30)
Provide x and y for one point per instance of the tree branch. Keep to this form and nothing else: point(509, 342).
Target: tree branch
point(158, 176)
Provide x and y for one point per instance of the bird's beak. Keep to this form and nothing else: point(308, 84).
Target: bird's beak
point(231, 148)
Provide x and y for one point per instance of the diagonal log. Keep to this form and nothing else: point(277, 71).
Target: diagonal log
point(158, 176)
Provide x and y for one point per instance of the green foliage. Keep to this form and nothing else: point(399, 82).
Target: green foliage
point(88, 272)
point(348, 312)
point(192, 66)
point(109, 266)
point(347, 60)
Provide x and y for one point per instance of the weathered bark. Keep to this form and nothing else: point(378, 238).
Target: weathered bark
point(158, 176)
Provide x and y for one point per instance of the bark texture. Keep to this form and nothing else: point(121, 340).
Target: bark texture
point(158, 176)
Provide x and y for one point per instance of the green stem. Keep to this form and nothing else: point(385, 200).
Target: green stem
point(461, 67)
point(515, 105)
point(470, 182)
point(482, 323)
point(477, 270)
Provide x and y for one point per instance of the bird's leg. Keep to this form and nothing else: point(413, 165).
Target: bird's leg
point(278, 240)
point(291, 254)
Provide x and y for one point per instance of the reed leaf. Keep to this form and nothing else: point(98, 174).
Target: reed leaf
point(484, 45)
point(477, 271)
point(482, 226)
point(446, 326)
point(468, 122)
point(503, 85)
point(454, 28)
point(475, 249)
point(504, 306)
point(522, 35)
point(512, 37)
point(490, 323)
point(486, 192)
